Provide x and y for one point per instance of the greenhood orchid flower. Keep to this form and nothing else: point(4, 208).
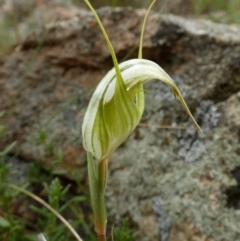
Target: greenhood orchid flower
point(116, 106)
point(114, 111)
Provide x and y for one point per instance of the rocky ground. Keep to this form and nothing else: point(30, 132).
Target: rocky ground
point(170, 183)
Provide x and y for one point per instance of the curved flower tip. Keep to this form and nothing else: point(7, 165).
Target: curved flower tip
point(115, 109)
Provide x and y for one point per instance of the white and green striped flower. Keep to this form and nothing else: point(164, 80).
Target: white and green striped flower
point(117, 104)
point(115, 109)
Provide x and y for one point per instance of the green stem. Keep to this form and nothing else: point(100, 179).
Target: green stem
point(102, 174)
point(110, 47)
point(140, 101)
point(97, 183)
point(142, 31)
point(101, 237)
point(120, 83)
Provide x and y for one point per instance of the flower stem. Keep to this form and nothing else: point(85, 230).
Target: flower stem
point(101, 237)
point(142, 31)
point(97, 183)
point(103, 174)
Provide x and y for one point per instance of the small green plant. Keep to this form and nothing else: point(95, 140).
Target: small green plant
point(12, 228)
point(124, 233)
point(58, 200)
point(48, 215)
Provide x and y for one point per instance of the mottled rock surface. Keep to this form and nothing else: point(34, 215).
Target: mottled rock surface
point(170, 183)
